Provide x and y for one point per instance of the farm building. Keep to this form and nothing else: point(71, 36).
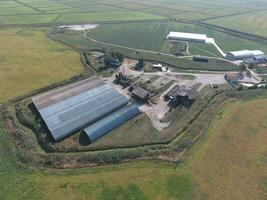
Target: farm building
point(112, 121)
point(256, 60)
point(200, 59)
point(160, 68)
point(187, 37)
point(71, 108)
point(141, 93)
point(241, 55)
point(181, 95)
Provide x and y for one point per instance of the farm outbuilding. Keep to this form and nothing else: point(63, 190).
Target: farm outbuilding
point(256, 60)
point(110, 122)
point(187, 37)
point(181, 95)
point(241, 55)
point(74, 107)
point(141, 93)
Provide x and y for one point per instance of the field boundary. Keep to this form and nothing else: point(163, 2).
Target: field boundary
point(244, 35)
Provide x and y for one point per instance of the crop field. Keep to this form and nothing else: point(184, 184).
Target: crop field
point(83, 17)
point(29, 19)
point(110, 10)
point(255, 23)
point(228, 163)
point(78, 40)
point(29, 60)
point(152, 36)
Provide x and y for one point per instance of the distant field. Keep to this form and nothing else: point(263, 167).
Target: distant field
point(77, 40)
point(255, 23)
point(29, 60)
point(229, 163)
point(152, 36)
point(149, 36)
point(108, 16)
point(28, 19)
point(16, 10)
point(90, 10)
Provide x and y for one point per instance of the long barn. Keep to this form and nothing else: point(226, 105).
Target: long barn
point(72, 108)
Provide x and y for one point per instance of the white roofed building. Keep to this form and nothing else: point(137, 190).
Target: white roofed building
point(188, 37)
point(241, 55)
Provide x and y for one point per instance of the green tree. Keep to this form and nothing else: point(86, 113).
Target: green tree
point(242, 67)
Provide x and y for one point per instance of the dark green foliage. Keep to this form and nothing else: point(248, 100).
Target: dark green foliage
point(117, 56)
point(242, 67)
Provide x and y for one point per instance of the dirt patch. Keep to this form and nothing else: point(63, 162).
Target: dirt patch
point(79, 27)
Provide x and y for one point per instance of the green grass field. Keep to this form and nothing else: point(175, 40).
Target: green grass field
point(29, 60)
point(87, 17)
point(255, 23)
point(91, 10)
point(152, 36)
point(29, 19)
point(77, 40)
point(228, 163)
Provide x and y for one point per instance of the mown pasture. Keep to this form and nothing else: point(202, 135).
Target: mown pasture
point(228, 163)
point(255, 23)
point(29, 19)
point(152, 36)
point(124, 16)
point(29, 61)
point(110, 10)
point(86, 42)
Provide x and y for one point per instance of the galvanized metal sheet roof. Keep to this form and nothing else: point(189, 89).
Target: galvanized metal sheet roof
point(73, 113)
point(110, 122)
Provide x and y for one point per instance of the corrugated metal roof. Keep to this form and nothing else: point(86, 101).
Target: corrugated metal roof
point(141, 93)
point(53, 96)
point(75, 112)
point(110, 122)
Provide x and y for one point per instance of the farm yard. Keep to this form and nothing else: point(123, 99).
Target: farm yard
point(195, 136)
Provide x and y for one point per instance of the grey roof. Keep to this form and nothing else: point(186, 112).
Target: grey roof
point(141, 93)
point(260, 57)
point(182, 91)
point(110, 122)
point(69, 113)
point(239, 55)
point(54, 96)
